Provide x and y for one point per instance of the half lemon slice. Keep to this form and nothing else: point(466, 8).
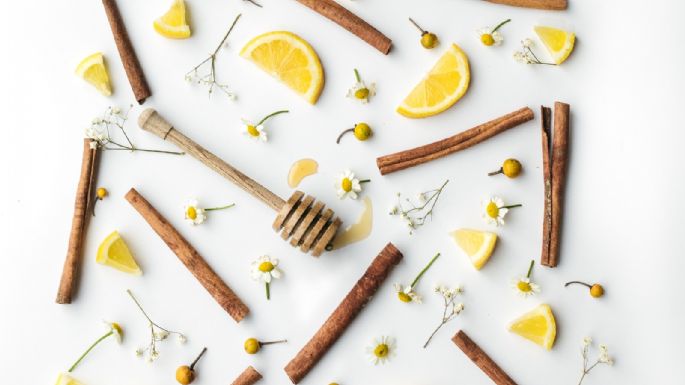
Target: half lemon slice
point(478, 245)
point(538, 325)
point(173, 23)
point(92, 69)
point(114, 252)
point(559, 43)
point(443, 86)
point(290, 59)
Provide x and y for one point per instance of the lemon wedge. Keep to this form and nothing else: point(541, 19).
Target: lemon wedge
point(538, 325)
point(443, 86)
point(65, 379)
point(173, 23)
point(478, 245)
point(559, 43)
point(113, 252)
point(290, 59)
point(92, 69)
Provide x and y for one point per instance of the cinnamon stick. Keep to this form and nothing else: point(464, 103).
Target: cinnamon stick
point(134, 72)
point(554, 5)
point(419, 155)
point(248, 377)
point(193, 261)
point(559, 158)
point(72, 264)
point(481, 359)
point(344, 314)
point(350, 22)
point(547, 178)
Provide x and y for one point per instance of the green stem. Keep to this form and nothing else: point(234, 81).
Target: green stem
point(418, 277)
point(254, 2)
point(220, 208)
point(192, 366)
point(272, 342)
point(272, 114)
point(268, 291)
point(500, 25)
point(500, 171)
point(343, 134)
point(417, 26)
point(364, 181)
point(71, 369)
point(356, 75)
point(511, 206)
point(578, 282)
point(530, 268)
point(226, 35)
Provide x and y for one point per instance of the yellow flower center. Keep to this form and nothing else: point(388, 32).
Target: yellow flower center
point(346, 184)
point(492, 210)
point(404, 297)
point(252, 130)
point(191, 213)
point(381, 350)
point(266, 267)
point(361, 93)
point(524, 286)
point(117, 329)
point(487, 39)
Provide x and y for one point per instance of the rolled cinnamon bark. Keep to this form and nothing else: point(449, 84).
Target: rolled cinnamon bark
point(79, 221)
point(223, 294)
point(419, 155)
point(134, 72)
point(351, 22)
point(248, 377)
point(559, 160)
point(547, 178)
point(344, 314)
point(481, 359)
point(554, 5)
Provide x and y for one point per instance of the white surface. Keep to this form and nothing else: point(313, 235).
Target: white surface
point(624, 84)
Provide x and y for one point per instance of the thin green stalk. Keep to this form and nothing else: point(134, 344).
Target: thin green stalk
point(268, 291)
point(500, 25)
point(530, 268)
point(71, 369)
point(220, 208)
point(356, 75)
point(416, 280)
point(511, 206)
point(364, 181)
point(271, 115)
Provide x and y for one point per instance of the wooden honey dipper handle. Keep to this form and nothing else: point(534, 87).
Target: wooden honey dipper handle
point(151, 121)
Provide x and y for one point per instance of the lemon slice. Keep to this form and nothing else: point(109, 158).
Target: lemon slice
point(478, 245)
point(113, 252)
point(443, 86)
point(65, 379)
point(559, 43)
point(173, 23)
point(289, 59)
point(537, 325)
point(92, 69)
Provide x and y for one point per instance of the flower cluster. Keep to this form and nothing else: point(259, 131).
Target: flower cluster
point(451, 309)
point(526, 54)
point(157, 334)
point(414, 216)
point(602, 359)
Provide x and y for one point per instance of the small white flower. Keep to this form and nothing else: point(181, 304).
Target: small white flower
point(407, 293)
point(161, 335)
point(490, 38)
point(182, 339)
point(347, 185)
point(421, 197)
point(587, 341)
point(139, 352)
point(520, 57)
point(393, 210)
point(264, 269)
point(494, 211)
point(193, 213)
point(527, 43)
point(604, 355)
point(458, 308)
point(524, 287)
point(360, 91)
point(255, 132)
point(117, 331)
point(116, 110)
point(381, 350)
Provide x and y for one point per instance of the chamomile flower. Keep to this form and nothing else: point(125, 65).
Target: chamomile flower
point(347, 185)
point(523, 285)
point(258, 131)
point(492, 36)
point(381, 350)
point(407, 293)
point(114, 330)
point(494, 211)
point(264, 269)
point(196, 215)
point(360, 91)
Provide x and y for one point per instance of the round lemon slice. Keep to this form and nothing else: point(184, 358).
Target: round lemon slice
point(478, 245)
point(114, 252)
point(92, 69)
point(538, 325)
point(173, 23)
point(559, 43)
point(443, 86)
point(290, 59)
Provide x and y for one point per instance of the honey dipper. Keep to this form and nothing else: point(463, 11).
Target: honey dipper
point(302, 219)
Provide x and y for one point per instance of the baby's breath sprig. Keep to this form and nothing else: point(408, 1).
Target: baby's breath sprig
point(157, 334)
point(603, 358)
point(407, 293)
point(451, 310)
point(115, 118)
point(209, 79)
point(415, 216)
point(526, 54)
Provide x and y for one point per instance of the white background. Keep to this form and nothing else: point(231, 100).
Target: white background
point(624, 83)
